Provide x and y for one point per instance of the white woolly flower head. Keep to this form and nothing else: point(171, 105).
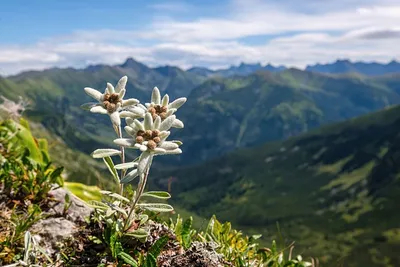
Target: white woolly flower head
point(110, 102)
point(150, 138)
point(158, 108)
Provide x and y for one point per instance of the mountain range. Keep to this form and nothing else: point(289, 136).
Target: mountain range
point(337, 67)
point(255, 141)
point(345, 66)
point(242, 70)
point(222, 113)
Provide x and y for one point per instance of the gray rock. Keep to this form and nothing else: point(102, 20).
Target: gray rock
point(48, 232)
point(198, 255)
point(57, 224)
point(78, 209)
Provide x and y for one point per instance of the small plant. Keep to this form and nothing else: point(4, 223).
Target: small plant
point(32, 251)
point(243, 251)
point(147, 127)
point(183, 230)
point(26, 177)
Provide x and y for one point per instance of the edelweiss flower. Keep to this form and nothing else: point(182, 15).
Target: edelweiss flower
point(150, 137)
point(111, 102)
point(158, 108)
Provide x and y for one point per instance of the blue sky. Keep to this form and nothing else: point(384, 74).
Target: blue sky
point(38, 34)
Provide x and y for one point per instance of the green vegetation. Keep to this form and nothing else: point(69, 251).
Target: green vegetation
point(124, 229)
point(334, 190)
point(26, 177)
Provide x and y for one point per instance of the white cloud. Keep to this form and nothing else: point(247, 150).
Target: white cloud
point(364, 30)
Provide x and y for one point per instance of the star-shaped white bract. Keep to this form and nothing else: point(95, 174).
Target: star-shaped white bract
point(150, 138)
point(158, 108)
point(110, 102)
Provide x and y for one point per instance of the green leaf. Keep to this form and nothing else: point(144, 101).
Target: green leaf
point(116, 208)
point(56, 173)
point(67, 198)
point(138, 233)
point(128, 259)
point(129, 177)
point(102, 153)
point(150, 261)
point(156, 207)
point(143, 218)
point(84, 192)
point(156, 249)
point(114, 195)
point(97, 205)
point(187, 226)
point(110, 164)
point(157, 194)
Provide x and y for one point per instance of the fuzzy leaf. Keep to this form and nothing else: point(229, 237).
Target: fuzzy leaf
point(178, 124)
point(148, 122)
point(114, 195)
point(143, 218)
point(129, 102)
point(126, 165)
point(98, 109)
point(177, 103)
point(110, 165)
point(97, 205)
point(157, 194)
point(156, 207)
point(167, 123)
point(102, 153)
point(110, 88)
point(139, 233)
point(144, 162)
point(93, 93)
point(165, 100)
point(121, 84)
point(122, 93)
point(27, 244)
point(115, 119)
point(138, 124)
point(129, 177)
point(179, 143)
point(157, 122)
point(156, 96)
point(125, 142)
point(116, 208)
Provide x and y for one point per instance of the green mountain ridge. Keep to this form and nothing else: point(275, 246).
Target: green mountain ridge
point(223, 114)
point(334, 190)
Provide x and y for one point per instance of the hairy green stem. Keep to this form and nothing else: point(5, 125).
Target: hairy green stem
point(123, 172)
point(135, 200)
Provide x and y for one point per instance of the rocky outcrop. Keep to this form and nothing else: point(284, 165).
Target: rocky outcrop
point(61, 221)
